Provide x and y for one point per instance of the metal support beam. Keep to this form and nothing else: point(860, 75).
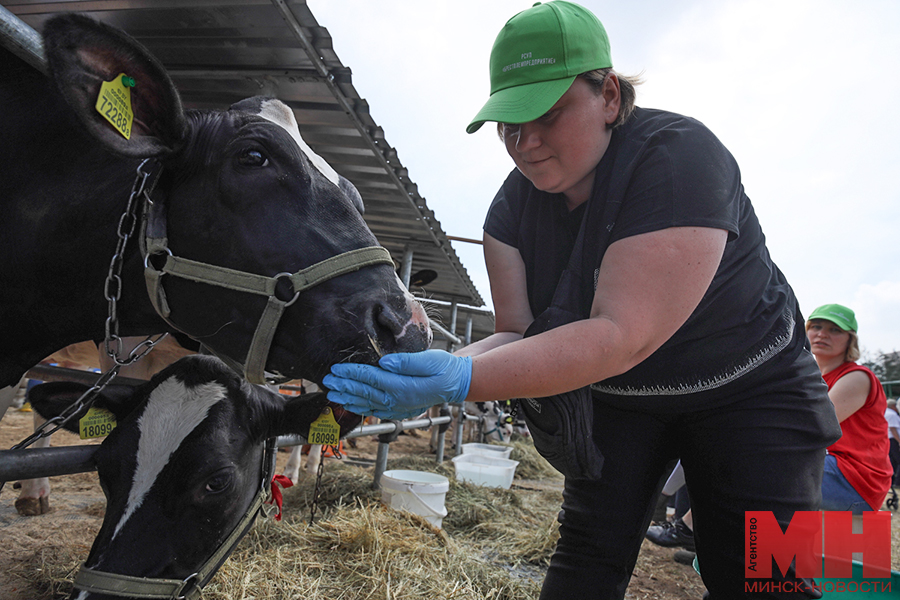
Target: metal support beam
point(380, 463)
point(441, 442)
point(406, 266)
point(454, 313)
point(458, 430)
point(22, 40)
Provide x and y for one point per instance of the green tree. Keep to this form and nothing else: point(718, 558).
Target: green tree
point(886, 365)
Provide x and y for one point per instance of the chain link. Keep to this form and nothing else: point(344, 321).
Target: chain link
point(336, 450)
point(113, 287)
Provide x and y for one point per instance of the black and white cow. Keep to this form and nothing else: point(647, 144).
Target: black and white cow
point(183, 464)
point(242, 191)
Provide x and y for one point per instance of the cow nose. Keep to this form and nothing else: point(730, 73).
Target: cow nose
point(386, 323)
point(393, 326)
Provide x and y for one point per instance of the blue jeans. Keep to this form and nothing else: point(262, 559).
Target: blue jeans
point(837, 493)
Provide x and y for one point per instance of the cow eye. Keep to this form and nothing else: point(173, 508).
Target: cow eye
point(218, 483)
point(253, 158)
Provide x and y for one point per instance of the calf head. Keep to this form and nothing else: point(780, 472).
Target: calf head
point(184, 462)
point(242, 191)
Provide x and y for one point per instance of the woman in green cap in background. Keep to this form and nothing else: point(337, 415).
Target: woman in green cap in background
point(857, 468)
point(638, 315)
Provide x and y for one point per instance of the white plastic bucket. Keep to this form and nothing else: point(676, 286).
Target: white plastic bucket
point(491, 450)
point(484, 470)
point(418, 492)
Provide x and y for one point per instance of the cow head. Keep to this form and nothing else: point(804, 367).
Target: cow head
point(243, 191)
point(184, 462)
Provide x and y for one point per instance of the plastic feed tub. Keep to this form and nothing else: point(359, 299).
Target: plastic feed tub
point(418, 492)
point(490, 450)
point(484, 470)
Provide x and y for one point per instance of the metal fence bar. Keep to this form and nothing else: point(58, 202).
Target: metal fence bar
point(50, 373)
point(31, 463)
point(23, 41)
point(387, 431)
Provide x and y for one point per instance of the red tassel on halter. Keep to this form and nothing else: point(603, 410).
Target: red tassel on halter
point(276, 492)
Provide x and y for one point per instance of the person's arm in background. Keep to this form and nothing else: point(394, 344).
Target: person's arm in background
point(849, 393)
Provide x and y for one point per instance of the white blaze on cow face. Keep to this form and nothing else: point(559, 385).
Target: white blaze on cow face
point(282, 115)
point(173, 411)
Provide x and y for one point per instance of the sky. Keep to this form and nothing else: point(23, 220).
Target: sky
point(805, 95)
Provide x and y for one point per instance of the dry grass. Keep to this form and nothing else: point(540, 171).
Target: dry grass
point(493, 545)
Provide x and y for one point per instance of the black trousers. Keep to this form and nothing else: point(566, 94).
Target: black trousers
point(894, 454)
point(764, 450)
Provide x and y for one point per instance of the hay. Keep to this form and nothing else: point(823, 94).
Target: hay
point(531, 464)
point(494, 544)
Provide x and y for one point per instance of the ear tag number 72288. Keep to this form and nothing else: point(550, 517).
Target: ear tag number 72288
point(114, 103)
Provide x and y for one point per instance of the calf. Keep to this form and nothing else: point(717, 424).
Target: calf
point(183, 464)
point(34, 494)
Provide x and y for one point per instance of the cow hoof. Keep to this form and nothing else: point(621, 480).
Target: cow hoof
point(32, 507)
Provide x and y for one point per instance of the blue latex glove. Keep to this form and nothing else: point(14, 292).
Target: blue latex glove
point(404, 386)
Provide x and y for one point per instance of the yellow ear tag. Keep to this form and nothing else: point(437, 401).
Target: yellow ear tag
point(324, 430)
point(114, 103)
point(97, 422)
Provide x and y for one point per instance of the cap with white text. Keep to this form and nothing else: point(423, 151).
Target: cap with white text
point(841, 316)
point(537, 56)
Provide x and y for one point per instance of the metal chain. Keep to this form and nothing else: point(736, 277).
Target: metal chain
point(315, 500)
point(57, 422)
point(336, 450)
point(126, 227)
point(113, 287)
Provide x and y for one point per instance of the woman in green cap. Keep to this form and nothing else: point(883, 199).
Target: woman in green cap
point(857, 468)
point(638, 315)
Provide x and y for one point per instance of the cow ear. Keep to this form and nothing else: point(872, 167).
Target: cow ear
point(83, 54)
point(52, 399)
point(294, 414)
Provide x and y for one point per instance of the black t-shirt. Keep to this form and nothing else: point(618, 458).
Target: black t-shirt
point(666, 170)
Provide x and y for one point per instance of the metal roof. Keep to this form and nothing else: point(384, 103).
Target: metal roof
point(221, 51)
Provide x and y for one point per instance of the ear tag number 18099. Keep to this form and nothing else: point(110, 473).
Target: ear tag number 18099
point(114, 103)
point(325, 430)
point(95, 423)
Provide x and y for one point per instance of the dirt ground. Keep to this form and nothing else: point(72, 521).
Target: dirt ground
point(31, 543)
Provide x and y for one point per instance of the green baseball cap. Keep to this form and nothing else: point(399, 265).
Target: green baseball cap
point(841, 316)
point(537, 56)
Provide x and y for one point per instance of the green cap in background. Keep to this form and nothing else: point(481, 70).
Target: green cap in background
point(537, 56)
point(841, 316)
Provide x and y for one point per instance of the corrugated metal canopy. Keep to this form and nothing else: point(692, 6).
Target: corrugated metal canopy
point(221, 51)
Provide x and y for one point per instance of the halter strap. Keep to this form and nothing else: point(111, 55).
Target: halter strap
point(154, 241)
